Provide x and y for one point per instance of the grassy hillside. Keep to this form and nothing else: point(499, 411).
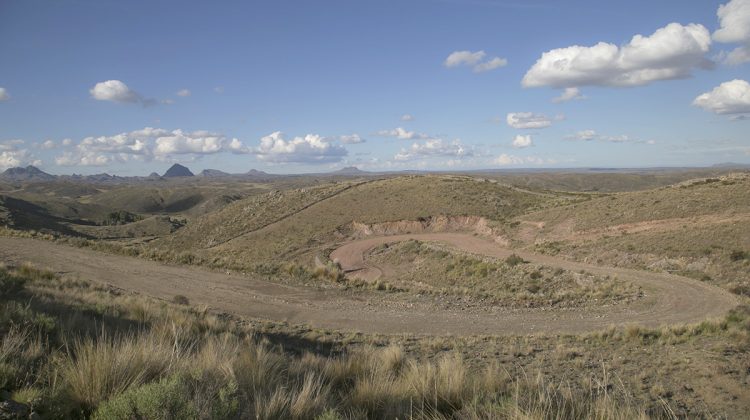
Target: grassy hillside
point(605, 181)
point(726, 196)
point(73, 348)
point(698, 228)
point(81, 350)
point(271, 228)
point(425, 268)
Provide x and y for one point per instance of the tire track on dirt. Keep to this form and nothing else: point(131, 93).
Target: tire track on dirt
point(670, 299)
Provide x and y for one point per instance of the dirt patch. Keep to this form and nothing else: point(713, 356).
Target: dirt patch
point(434, 224)
point(669, 299)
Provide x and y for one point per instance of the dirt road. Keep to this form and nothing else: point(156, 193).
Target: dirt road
point(669, 298)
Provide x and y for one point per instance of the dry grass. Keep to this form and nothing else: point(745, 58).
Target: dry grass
point(422, 267)
point(180, 360)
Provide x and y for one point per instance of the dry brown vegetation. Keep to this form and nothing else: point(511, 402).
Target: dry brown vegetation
point(75, 348)
point(421, 267)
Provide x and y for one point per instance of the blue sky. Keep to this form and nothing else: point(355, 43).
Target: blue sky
point(92, 86)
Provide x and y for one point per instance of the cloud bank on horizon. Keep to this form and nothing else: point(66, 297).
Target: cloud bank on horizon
point(590, 79)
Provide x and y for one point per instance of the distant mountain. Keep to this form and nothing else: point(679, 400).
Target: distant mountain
point(29, 173)
point(731, 165)
point(213, 173)
point(103, 177)
point(177, 170)
point(349, 170)
point(255, 172)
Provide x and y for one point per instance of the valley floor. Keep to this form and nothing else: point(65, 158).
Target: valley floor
point(669, 299)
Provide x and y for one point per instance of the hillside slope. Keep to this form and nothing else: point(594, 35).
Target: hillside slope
point(285, 225)
point(698, 228)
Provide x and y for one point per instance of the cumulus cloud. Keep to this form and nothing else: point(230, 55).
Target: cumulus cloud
point(569, 94)
point(527, 120)
point(184, 93)
point(147, 144)
point(4, 95)
point(83, 159)
point(114, 91)
point(12, 155)
point(403, 134)
point(311, 148)
point(351, 139)
point(407, 117)
point(671, 52)
point(433, 148)
point(474, 59)
point(729, 98)
point(520, 142)
point(67, 142)
point(199, 142)
point(734, 21)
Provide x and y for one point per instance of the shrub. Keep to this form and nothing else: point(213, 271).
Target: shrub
point(168, 398)
point(180, 300)
point(514, 260)
point(738, 255)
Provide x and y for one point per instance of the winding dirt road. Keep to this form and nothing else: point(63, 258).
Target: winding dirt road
point(669, 298)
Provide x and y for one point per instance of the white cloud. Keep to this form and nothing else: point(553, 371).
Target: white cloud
point(184, 93)
point(734, 21)
point(589, 135)
point(527, 120)
point(309, 149)
point(407, 117)
point(520, 142)
point(114, 91)
point(586, 135)
point(671, 52)
point(83, 159)
point(506, 159)
point(351, 139)
point(737, 56)
point(146, 144)
point(403, 134)
point(11, 155)
point(49, 144)
point(200, 142)
point(10, 145)
point(4, 95)
point(512, 160)
point(433, 148)
point(731, 97)
point(569, 94)
point(492, 64)
point(460, 58)
point(474, 59)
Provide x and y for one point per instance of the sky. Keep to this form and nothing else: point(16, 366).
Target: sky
point(131, 87)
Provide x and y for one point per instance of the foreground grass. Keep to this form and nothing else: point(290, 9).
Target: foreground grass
point(73, 349)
